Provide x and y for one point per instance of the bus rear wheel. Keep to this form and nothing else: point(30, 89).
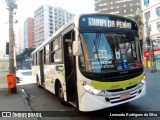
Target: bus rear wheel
point(60, 94)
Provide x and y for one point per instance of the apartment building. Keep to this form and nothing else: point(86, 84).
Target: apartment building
point(47, 20)
point(19, 43)
point(29, 33)
point(120, 7)
point(151, 16)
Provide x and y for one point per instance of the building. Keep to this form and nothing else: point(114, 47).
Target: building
point(1, 53)
point(120, 7)
point(19, 43)
point(47, 20)
point(29, 33)
point(151, 28)
point(151, 18)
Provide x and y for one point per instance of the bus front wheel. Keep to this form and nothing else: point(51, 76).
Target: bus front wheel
point(60, 94)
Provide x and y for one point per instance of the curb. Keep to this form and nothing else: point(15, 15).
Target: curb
point(26, 101)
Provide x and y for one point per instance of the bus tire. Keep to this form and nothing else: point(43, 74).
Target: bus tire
point(38, 82)
point(60, 95)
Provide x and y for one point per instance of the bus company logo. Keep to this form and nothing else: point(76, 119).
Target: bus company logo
point(6, 114)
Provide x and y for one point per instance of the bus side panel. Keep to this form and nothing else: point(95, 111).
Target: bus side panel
point(53, 73)
point(35, 71)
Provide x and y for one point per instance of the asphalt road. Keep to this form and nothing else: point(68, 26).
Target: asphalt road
point(42, 100)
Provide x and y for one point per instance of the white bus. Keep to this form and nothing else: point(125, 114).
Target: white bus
point(93, 62)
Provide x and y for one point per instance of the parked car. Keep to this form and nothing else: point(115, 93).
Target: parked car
point(19, 76)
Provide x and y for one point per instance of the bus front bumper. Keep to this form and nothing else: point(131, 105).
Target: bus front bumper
point(90, 102)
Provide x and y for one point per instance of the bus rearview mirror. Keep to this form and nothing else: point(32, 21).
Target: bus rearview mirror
point(76, 48)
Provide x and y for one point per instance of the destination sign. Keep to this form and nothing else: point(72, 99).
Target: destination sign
point(106, 21)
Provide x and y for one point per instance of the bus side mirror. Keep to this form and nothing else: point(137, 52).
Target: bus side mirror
point(76, 48)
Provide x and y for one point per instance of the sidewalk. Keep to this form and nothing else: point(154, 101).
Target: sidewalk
point(13, 102)
point(148, 70)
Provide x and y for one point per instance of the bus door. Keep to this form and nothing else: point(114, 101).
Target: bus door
point(70, 71)
point(41, 64)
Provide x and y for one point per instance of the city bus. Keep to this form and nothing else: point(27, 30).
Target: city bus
point(93, 62)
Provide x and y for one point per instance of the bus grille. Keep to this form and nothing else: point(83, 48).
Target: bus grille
point(117, 98)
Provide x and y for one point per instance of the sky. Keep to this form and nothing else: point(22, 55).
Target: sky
point(26, 9)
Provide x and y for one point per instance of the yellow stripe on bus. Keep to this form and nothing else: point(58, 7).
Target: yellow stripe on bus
point(117, 85)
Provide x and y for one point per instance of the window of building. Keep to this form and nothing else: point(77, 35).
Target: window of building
point(146, 2)
point(124, 6)
point(124, 10)
point(99, 5)
point(158, 11)
point(131, 10)
point(51, 32)
point(149, 28)
point(130, 4)
point(50, 8)
point(158, 25)
point(104, 9)
point(147, 15)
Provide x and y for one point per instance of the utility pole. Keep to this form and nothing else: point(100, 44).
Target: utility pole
point(150, 44)
point(11, 6)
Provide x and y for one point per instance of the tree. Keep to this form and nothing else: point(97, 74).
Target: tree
point(24, 55)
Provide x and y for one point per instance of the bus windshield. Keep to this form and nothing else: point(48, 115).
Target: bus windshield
point(108, 52)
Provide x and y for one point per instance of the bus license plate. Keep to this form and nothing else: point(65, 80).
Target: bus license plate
point(125, 96)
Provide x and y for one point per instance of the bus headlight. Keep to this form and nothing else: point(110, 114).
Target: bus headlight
point(142, 81)
point(93, 90)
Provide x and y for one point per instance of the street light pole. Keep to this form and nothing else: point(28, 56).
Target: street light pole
point(150, 44)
